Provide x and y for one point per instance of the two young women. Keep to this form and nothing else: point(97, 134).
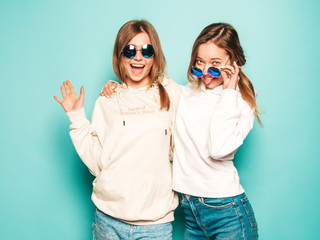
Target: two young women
point(214, 115)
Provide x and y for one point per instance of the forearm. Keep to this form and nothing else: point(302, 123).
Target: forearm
point(230, 124)
point(85, 140)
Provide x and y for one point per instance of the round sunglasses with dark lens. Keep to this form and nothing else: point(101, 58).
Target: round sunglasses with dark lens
point(130, 51)
point(213, 71)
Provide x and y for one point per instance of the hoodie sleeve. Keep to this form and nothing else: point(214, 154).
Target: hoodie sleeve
point(87, 138)
point(229, 125)
point(174, 90)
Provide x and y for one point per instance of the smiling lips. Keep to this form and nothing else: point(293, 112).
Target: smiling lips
point(137, 68)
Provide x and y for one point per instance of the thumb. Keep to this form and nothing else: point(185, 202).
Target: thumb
point(81, 97)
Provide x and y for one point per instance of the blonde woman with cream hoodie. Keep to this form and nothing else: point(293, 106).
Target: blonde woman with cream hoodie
point(127, 144)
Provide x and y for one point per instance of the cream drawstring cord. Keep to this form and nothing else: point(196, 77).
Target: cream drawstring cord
point(121, 112)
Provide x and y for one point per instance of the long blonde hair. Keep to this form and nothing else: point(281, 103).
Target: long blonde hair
point(128, 31)
point(225, 36)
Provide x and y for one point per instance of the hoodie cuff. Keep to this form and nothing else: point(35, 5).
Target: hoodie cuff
point(77, 117)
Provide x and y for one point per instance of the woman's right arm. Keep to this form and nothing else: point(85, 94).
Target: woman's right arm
point(85, 137)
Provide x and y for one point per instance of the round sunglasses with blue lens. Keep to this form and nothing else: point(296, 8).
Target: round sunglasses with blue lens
point(213, 71)
point(130, 51)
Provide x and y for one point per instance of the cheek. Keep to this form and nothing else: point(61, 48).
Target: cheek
point(149, 63)
point(124, 69)
point(125, 64)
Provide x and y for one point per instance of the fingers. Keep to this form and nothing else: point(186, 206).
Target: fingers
point(102, 93)
point(236, 67)
point(108, 89)
point(229, 69)
point(66, 87)
point(63, 92)
point(232, 71)
point(230, 75)
point(225, 77)
point(57, 99)
point(70, 86)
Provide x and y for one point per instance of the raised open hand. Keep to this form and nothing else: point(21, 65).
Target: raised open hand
point(70, 100)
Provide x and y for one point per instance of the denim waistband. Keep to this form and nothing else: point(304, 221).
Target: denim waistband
point(235, 198)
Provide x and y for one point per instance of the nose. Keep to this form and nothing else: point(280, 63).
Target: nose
point(138, 55)
point(205, 69)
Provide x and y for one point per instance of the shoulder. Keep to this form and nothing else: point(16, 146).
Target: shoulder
point(243, 104)
point(168, 82)
point(190, 89)
point(105, 101)
point(171, 86)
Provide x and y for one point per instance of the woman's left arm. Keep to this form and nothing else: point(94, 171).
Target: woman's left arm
point(232, 120)
point(229, 126)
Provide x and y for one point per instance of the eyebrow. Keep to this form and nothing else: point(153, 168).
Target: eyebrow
point(136, 44)
point(211, 59)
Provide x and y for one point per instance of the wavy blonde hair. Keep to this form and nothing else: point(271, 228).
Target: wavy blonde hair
point(128, 31)
point(225, 36)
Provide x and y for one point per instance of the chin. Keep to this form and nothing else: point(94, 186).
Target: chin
point(213, 84)
point(138, 78)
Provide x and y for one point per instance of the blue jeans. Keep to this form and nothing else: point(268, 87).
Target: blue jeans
point(105, 227)
point(229, 218)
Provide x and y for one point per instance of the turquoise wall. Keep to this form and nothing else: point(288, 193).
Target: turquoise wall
point(45, 188)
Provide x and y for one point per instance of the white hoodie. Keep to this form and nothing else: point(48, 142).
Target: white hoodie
point(210, 126)
point(127, 147)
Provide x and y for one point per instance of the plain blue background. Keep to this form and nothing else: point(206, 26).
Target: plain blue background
point(46, 189)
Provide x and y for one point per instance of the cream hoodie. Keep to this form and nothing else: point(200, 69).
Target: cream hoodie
point(126, 147)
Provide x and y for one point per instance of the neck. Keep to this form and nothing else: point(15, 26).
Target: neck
point(137, 84)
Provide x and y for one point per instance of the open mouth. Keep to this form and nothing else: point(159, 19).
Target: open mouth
point(137, 68)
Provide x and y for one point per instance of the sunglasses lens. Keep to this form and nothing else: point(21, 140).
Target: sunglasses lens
point(147, 51)
point(129, 51)
point(196, 72)
point(214, 72)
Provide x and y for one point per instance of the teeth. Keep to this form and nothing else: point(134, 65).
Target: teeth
point(137, 65)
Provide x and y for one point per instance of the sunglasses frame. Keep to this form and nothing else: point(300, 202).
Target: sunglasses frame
point(213, 71)
point(130, 51)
